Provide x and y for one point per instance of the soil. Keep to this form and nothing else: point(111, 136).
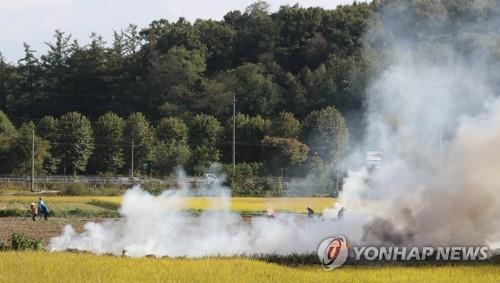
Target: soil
point(41, 229)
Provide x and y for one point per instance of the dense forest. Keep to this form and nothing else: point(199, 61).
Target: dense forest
point(167, 90)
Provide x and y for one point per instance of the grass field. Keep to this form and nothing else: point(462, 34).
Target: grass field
point(69, 267)
point(100, 204)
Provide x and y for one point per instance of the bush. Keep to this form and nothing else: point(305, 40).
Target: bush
point(244, 175)
point(77, 189)
point(13, 213)
point(20, 242)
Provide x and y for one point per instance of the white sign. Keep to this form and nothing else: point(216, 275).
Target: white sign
point(373, 158)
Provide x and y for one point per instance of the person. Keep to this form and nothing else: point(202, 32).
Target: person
point(310, 211)
point(340, 214)
point(33, 211)
point(270, 212)
point(42, 209)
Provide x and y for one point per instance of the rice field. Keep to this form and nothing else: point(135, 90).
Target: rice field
point(238, 204)
point(71, 267)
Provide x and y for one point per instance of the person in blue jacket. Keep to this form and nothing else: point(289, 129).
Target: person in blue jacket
point(43, 210)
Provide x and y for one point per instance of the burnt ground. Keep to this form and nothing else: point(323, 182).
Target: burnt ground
point(41, 229)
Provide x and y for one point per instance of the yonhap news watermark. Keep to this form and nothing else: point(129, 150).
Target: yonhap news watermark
point(335, 251)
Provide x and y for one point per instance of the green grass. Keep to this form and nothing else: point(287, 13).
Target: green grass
point(71, 267)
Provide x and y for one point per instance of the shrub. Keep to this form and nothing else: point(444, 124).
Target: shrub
point(21, 242)
point(13, 213)
point(77, 189)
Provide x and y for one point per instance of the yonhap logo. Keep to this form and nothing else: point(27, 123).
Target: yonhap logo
point(333, 252)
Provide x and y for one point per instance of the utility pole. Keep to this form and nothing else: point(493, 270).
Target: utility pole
point(33, 161)
point(337, 169)
point(132, 162)
point(441, 148)
point(234, 134)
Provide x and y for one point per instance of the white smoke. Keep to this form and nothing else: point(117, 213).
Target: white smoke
point(157, 225)
point(434, 112)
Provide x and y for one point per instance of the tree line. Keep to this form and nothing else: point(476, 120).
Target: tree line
point(72, 144)
point(295, 60)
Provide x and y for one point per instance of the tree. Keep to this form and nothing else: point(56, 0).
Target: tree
point(283, 153)
point(326, 133)
point(108, 135)
point(75, 142)
point(249, 132)
point(139, 132)
point(8, 82)
point(171, 148)
point(179, 75)
point(256, 93)
point(8, 134)
point(218, 38)
point(29, 70)
point(256, 34)
point(54, 64)
point(285, 125)
point(21, 152)
point(47, 129)
point(204, 135)
point(244, 176)
point(172, 129)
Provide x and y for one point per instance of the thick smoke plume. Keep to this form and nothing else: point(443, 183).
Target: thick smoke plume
point(434, 112)
point(157, 225)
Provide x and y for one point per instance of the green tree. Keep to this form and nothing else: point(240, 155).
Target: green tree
point(327, 133)
point(8, 134)
point(179, 76)
point(171, 148)
point(8, 83)
point(54, 64)
point(108, 135)
point(256, 93)
point(29, 71)
point(21, 152)
point(47, 129)
point(75, 142)
point(283, 153)
point(257, 34)
point(218, 38)
point(285, 125)
point(204, 137)
point(249, 132)
point(138, 130)
point(244, 177)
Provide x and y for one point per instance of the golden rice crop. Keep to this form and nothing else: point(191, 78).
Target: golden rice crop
point(71, 267)
point(238, 204)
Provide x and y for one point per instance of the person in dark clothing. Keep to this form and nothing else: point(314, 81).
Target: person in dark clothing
point(340, 214)
point(310, 211)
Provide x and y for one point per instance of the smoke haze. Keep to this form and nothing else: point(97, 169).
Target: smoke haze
point(434, 112)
